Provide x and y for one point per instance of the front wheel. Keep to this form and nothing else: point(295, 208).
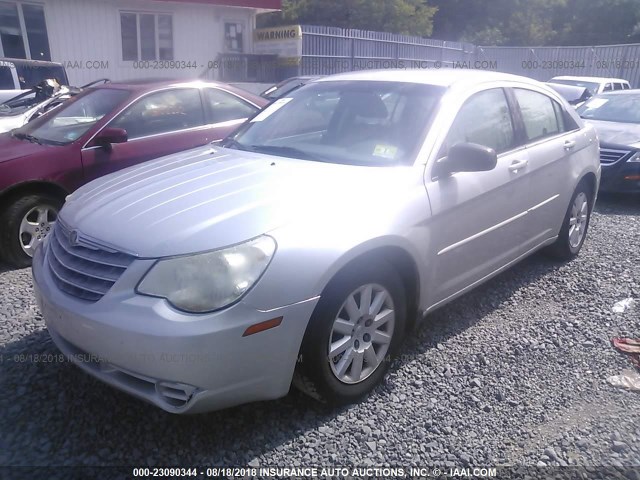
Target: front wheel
point(355, 329)
point(575, 225)
point(24, 225)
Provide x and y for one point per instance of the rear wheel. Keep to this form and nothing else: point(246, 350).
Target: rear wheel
point(356, 328)
point(575, 225)
point(24, 226)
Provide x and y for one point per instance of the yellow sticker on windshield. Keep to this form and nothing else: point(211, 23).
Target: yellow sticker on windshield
point(385, 151)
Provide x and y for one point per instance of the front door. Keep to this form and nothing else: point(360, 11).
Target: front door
point(158, 124)
point(478, 217)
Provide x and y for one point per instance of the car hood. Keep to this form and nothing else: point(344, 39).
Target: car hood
point(212, 197)
point(9, 122)
point(627, 134)
point(12, 148)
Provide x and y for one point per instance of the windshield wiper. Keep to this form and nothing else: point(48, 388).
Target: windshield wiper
point(26, 136)
point(231, 143)
point(286, 151)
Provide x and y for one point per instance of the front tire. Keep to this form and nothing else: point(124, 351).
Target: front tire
point(25, 224)
point(575, 225)
point(355, 330)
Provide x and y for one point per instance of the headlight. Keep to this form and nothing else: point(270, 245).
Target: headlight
point(635, 157)
point(209, 281)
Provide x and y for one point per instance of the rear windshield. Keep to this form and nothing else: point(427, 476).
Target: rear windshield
point(591, 86)
point(32, 75)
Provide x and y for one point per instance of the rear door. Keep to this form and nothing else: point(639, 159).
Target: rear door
point(477, 222)
point(158, 124)
point(551, 137)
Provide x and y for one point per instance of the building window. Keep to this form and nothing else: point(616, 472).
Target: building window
point(23, 31)
point(146, 36)
point(233, 37)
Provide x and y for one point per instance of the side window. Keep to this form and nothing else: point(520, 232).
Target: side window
point(626, 86)
point(608, 87)
point(484, 119)
point(539, 113)
point(617, 86)
point(162, 112)
point(224, 106)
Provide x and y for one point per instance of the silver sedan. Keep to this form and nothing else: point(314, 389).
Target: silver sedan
point(306, 246)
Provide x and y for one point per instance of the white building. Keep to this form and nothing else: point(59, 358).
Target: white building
point(129, 39)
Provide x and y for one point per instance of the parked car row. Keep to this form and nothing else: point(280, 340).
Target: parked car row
point(104, 128)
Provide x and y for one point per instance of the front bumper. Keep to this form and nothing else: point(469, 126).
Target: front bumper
point(182, 363)
point(622, 177)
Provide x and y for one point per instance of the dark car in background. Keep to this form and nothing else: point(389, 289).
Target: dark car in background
point(287, 86)
point(101, 130)
point(573, 94)
point(19, 75)
point(616, 117)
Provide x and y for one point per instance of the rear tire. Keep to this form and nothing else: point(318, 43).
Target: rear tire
point(356, 328)
point(574, 226)
point(24, 225)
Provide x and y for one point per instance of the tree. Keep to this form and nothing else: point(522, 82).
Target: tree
point(410, 17)
point(538, 22)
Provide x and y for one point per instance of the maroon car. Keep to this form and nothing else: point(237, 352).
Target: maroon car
point(102, 130)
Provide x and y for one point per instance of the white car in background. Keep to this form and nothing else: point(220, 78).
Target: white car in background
point(595, 85)
point(27, 106)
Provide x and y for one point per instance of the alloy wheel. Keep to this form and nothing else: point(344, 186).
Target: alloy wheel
point(578, 220)
point(35, 226)
point(361, 333)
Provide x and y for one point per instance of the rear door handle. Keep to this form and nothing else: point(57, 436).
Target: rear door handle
point(517, 165)
point(569, 144)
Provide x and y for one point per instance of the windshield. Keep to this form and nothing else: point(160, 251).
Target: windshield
point(71, 121)
point(591, 86)
point(349, 122)
point(623, 108)
point(19, 104)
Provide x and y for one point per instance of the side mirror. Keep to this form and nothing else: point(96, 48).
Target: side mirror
point(109, 135)
point(467, 157)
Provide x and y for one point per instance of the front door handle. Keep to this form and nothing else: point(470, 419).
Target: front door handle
point(518, 165)
point(569, 144)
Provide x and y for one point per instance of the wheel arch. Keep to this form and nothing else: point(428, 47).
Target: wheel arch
point(591, 181)
point(31, 188)
point(398, 257)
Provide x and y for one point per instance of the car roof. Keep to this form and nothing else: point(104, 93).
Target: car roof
point(445, 77)
point(591, 79)
point(149, 84)
point(22, 61)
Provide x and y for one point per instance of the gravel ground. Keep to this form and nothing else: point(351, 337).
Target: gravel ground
point(513, 373)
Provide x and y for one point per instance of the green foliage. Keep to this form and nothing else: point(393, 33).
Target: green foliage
point(411, 17)
point(483, 22)
point(538, 22)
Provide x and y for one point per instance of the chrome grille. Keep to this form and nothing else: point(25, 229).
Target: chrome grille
point(609, 156)
point(84, 271)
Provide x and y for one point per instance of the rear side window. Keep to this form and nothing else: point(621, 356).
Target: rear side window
point(618, 86)
point(540, 114)
point(224, 106)
point(626, 86)
point(162, 112)
point(6, 79)
point(484, 119)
